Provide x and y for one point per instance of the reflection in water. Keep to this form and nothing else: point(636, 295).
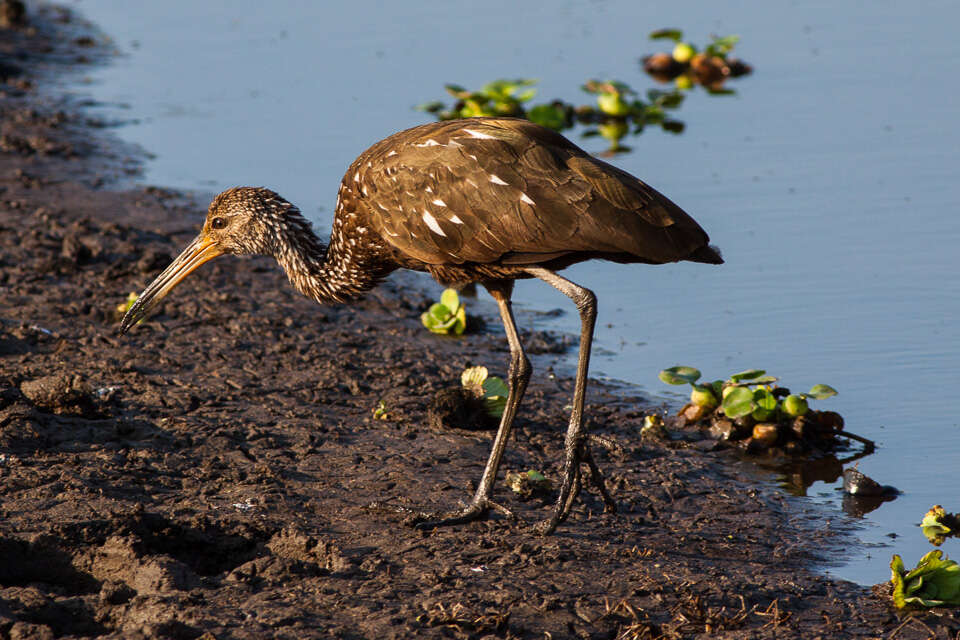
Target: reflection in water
point(858, 506)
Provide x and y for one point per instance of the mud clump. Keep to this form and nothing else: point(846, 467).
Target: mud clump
point(61, 393)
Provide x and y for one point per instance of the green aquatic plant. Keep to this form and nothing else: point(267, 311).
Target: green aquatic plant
point(492, 389)
point(449, 316)
point(617, 108)
point(687, 64)
point(746, 393)
point(935, 582)
point(498, 98)
point(938, 525)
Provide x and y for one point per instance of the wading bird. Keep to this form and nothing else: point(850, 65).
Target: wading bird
point(488, 200)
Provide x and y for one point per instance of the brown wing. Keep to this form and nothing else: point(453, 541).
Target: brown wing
point(485, 190)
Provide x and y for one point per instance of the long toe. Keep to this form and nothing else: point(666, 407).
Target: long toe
point(477, 510)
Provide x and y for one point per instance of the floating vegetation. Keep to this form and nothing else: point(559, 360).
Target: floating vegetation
point(935, 582)
point(618, 110)
point(938, 525)
point(687, 65)
point(449, 316)
point(751, 411)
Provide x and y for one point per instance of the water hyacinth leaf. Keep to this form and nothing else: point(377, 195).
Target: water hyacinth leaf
point(450, 300)
point(494, 386)
point(934, 517)
point(473, 377)
point(667, 34)
point(680, 375)
point(430, 107)
point(739, 402)
point(439, 311)
point(717, 386)
point(821, 391)
point(749, 374)
point(527, 95)
point(460, 321)
point(721, 46)
point(764, 399)
point(551, 116)
point(934, 582)
point(763, 380)
point(495, 405)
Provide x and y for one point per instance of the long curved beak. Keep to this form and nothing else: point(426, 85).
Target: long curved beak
point(201, 250)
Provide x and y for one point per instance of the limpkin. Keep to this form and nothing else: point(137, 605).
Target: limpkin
point(488, 200)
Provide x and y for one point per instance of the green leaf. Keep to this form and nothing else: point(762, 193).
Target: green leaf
point(749, 374)
point(460, 321)
point(667, 34)
point(680, 375)
point(548, 115)
point(430, 107)
point(764, 380)
point(721, 46)
point(764, 399)
point(717, 387)
point(494, 386)
point(439, 311)
point(739, 402)
point(450, 300)
point(526, 95)
point(821, 391)
point(495, 405)
point(934, 582)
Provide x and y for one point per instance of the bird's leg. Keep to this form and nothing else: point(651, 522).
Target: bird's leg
point(517, 379)
point(575, 445)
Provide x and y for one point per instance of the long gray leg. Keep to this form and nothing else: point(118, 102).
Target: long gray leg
point(519, 376)
point(575, 445)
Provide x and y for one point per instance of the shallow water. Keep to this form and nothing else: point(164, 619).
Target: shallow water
point(828, 180)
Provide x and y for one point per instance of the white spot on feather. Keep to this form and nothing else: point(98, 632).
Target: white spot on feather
point(432, 223)
point(456, 219)
point(525, 198)
point(495, 179)
point(356, 177)
point(429, 143)
point(392, 153)
point(479, 135)
point(439, 202)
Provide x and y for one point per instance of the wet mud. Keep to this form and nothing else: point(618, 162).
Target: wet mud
point(219, 472)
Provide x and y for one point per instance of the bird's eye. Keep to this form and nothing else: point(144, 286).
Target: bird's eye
point(218, 223)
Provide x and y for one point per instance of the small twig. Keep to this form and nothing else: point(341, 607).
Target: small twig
point(606, 443)
point(852, 436)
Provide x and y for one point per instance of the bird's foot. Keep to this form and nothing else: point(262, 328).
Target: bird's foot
point(478, 509)
point(573, 480)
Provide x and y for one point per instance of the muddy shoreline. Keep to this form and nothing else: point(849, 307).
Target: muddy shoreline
point(212, 474)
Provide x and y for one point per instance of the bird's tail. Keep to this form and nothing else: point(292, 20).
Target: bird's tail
point(709, 254)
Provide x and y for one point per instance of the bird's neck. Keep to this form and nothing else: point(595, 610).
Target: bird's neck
point(326, 273)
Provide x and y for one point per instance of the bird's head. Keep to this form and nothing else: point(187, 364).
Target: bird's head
point(240, 221)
